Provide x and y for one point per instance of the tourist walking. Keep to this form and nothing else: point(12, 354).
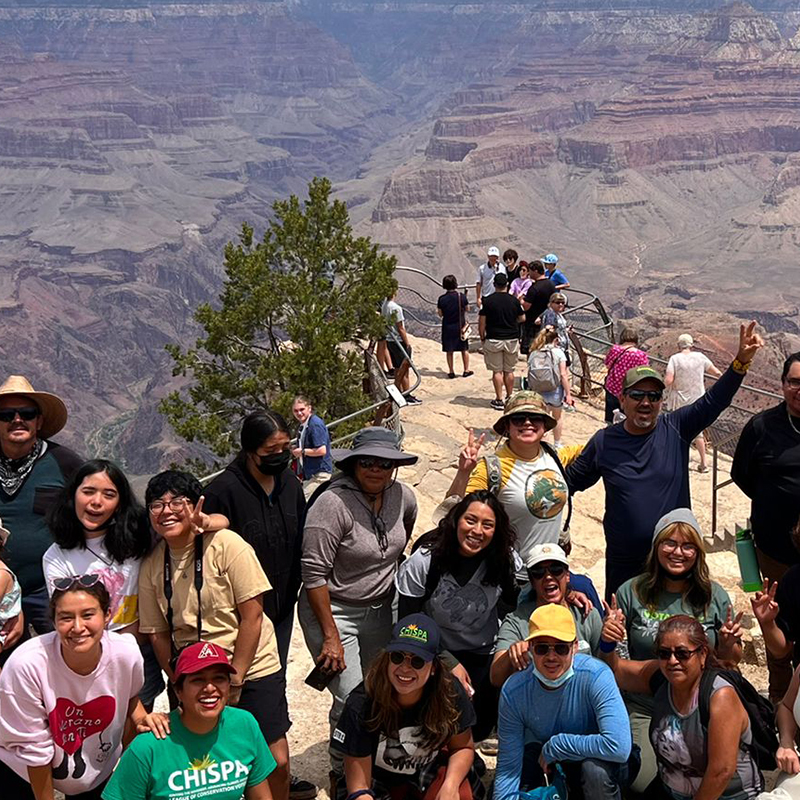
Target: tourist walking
point(398, 346)
point(313, 451)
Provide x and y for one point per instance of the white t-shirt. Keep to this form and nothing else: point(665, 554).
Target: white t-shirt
point(486, 277)
point(121, 580)
point(688, 368)
point(391, 309)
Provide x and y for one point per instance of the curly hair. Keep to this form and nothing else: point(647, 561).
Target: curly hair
point(443, 542)
point(651, 583)
point(439, 703)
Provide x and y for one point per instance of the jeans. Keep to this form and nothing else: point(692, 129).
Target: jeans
point(36, 608)
point(364, 631)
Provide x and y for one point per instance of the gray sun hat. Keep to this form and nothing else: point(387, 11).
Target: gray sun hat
point(377, 442)
point(678, 515)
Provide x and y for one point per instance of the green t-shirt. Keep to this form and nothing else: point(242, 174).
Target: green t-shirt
point(642, 626)
point(219, 765)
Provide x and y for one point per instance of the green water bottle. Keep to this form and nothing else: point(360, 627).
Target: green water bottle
point(748, 562)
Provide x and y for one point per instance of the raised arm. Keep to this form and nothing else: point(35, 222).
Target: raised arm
point(468, 459)
point(584, 471)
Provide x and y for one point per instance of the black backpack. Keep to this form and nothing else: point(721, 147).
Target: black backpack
point(760, 711)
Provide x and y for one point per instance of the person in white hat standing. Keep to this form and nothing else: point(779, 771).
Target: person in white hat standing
point(486, 272)
point(32, 472)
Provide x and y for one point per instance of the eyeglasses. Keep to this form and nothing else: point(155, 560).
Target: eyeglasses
point(380, 463)
point(518, 420)
point(670, 546)
point(639, 394)
point(397, 658)
point(559, 649)
point(792, 383)
point(683, 654)
point(538, 572)
point(176, 504)
point(83, 581)
point(26, 413)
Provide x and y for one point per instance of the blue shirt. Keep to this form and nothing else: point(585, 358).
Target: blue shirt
point(315, 434)
point(557, 276)
point(584, 718)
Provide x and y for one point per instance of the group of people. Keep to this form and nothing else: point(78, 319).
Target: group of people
point(478, 637)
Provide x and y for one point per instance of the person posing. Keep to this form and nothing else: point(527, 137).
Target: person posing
point(535, 303)
point(554, 274)
point(208, 586)
point(549, 576)
point(10, 596)
point(766, 467)
point(355, 532)
point(208, 747)
point(32, 471)
point(66, 698)
point(463, 577)
point(484, 286)
point(675, 581)
point(498, 326)
point(644, 461)
point(405, 732)
point(566, 709)
point(100, 528)
point(313, 449)
point(557, 399)
point(713, 762)
point(619, 359)
point(525, 473)
point(685, 380)
point(452, 310)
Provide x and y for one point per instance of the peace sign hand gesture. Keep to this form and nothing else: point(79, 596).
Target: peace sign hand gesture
point(468, 457)
point(730, 634)
point(199, 521)
point(765, 608)
point(749, 342)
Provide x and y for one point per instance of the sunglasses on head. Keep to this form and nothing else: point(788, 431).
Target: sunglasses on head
point(26, 413)
point(82, 581)
point(681, 653)
point(539, 571)
point(559, 649)
point(417, 662)
point(381, 463)
point(638, 395)
point(520, 419)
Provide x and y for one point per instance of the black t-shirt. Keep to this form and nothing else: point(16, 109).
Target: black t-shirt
point(396, 758)
point(538, 295)
point(788, 599)
point(502, 311)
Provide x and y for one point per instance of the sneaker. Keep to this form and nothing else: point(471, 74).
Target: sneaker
point(413, 401)
point(489, 746)
point(301, 790)
point(499, 405)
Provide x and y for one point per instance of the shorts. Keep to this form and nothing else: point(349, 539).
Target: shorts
point(500, 355)
point(396, 354)
point(265, 699)
point(554, 399)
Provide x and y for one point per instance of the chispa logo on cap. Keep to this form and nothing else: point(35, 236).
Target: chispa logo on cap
point(414, 632)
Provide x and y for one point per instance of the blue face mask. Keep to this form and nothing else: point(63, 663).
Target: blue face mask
point(554, 683)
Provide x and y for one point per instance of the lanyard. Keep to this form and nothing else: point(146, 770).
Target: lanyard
point(198, 584)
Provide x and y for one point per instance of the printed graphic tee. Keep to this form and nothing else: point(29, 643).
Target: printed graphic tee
point(218, 765)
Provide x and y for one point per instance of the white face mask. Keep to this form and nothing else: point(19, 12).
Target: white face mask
point(554, 683)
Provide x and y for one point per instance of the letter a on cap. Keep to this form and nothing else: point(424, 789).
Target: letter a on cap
point(208, 651)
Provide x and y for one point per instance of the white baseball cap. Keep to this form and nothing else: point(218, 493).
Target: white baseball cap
point(546, 552)
point(493, 251)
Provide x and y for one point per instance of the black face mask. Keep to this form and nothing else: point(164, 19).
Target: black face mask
point(273, 464)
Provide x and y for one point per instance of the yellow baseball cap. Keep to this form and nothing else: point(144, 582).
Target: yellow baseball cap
point(552, 620)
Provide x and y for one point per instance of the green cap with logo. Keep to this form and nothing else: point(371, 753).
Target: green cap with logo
point(642, 373)
point(524, 402)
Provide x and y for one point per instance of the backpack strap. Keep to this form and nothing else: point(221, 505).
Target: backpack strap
point(494, 473)
point(317, 492)
point(704, 698)
point(553, 453)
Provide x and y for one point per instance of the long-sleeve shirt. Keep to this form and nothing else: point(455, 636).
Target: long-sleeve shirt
point(646, 475)
point(766, 467)
point(342, 545)
point(584, 718)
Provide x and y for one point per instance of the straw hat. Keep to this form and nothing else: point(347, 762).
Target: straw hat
point(54, 412)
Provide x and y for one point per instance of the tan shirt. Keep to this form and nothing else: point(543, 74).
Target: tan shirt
point(231, 575)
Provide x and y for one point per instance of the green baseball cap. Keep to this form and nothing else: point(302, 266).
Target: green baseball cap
point(637, 374)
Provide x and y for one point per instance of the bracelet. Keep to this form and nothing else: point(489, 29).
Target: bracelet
point(740, 366)
point(359, 793)
point(607, 647)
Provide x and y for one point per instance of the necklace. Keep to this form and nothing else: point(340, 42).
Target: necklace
point(97, 555)
point(791, 421)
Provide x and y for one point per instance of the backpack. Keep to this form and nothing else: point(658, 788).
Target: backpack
point(543, 374)
point(760, 711)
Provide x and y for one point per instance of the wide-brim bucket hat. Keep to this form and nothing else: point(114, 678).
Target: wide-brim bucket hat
point(375, 442)
point(54, 411)
point(524, 402)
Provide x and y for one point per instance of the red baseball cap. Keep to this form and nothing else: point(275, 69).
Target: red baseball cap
point(200, 655)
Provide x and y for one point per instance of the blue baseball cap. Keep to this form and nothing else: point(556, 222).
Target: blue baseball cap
point(550, 258)
point(417, 634)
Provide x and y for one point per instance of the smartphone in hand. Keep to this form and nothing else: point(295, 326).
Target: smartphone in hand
point(319, 678)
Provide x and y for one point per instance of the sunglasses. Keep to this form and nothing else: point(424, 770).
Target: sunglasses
point(380, 463)
point(559, 649)
point(82, 581)
point(26, 413)
point(175, 505)
point(793, 383)
point(683, 654)
point(639, 394)
point(397, 658)
point(538, 572)
point(519, 420)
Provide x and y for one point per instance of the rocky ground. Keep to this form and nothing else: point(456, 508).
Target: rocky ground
point(435, 431)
